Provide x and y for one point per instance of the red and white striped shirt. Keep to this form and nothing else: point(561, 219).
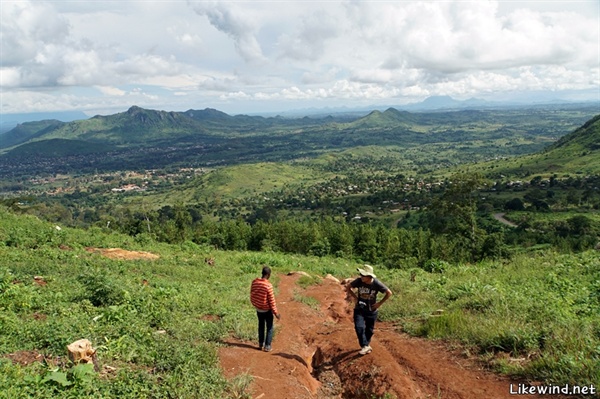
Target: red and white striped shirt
point(261, 295)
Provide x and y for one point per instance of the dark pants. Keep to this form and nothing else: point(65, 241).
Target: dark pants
point(265, 322)
point(364, 325)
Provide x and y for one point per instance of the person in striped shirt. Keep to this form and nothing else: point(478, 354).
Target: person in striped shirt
point(262, 298)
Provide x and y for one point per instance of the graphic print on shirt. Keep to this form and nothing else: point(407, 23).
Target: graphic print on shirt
point(366, 297)
point(366, 293)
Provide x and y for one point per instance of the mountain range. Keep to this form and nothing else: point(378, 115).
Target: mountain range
point(433, 103)
point(209, 136)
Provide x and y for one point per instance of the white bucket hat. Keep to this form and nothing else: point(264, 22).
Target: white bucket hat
point(367, 270)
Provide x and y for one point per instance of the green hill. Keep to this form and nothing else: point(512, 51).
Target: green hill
point(575, 153)
point(145, 127)
point(210, 137)
point(389, 118)
point(586, 138)
point(28, 131)
point(136, 126)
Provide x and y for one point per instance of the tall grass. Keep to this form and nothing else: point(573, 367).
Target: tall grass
point(537, 317)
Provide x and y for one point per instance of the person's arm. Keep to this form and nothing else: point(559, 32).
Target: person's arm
point(387, 295)
point(351, 292)
point(272, 303)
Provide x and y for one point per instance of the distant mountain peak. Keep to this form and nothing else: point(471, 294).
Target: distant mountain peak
point(134, 109)
point(206, 114)
point(396, 113)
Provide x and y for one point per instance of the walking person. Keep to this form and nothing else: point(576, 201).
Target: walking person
point(365, 311)
point(263, 299)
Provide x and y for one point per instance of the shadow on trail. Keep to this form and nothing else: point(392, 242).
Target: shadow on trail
point(292, 357)
point(241, 345)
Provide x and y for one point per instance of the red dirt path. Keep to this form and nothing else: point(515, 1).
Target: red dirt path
point(315, 355)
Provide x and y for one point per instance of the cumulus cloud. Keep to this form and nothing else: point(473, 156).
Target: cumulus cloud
point(308, 42)
point(278, 52)
point(450, 37)
point(234, 23)
point(26, 28)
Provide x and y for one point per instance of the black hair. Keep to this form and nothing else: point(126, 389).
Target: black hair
point(266, 271)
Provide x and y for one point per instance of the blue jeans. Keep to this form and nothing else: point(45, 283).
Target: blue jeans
point(265, 322)
point(364, 325)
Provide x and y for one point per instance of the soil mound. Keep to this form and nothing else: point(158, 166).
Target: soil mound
point(118, 253)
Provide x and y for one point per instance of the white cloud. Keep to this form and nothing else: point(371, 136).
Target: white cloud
point(26, 28)
point(111, 91)
point(309, 41)
point(236, 24)
point(275, 53)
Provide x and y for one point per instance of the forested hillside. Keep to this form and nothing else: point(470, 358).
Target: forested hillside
point(394, 205)
point(150, 139)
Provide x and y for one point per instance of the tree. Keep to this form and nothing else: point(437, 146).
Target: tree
point(183, 222)
point(515, 204)
point(454, 211)
point(453, 214)
point(580, 225)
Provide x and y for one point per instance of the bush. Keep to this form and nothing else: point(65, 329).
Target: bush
point(100, 290)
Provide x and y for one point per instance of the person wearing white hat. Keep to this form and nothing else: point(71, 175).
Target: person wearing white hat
point(365, 311)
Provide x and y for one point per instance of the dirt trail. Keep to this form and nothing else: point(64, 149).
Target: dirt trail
point(500, 217)
point(315, 355)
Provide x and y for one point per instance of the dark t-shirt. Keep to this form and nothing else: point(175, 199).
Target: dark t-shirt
point(368, 292)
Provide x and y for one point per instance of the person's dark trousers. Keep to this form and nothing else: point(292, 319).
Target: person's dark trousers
point(364, 325)
point(265, 328)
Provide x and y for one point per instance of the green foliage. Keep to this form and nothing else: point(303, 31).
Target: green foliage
point(77, 376)
point(306, 281)
point(543, 307)
point(100, 290)
point(309, 301)
point(169, 315)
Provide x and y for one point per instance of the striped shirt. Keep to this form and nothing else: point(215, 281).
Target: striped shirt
point(261, 295)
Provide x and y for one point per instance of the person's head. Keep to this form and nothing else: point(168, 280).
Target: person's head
point(366, 274)
point(266, 272)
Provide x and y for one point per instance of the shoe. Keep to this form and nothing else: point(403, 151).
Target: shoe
point(260, 347)
point(365, 350)
point(268, 348)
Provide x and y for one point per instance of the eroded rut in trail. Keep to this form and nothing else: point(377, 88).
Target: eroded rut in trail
point(315, 355)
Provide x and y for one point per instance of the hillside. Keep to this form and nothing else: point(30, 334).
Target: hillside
point(136, 126)
point(576, 152)
point(28, 131)
point(145, 127)
point(56, 148)
point(412, 142)
point(585, 138)
point(175, 321)
point(389, 118)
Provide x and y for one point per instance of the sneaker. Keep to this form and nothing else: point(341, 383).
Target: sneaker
point(365, 349)
point(260, 347)
point(268, 348)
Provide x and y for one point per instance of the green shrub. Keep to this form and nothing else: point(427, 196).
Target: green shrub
point(101, 290)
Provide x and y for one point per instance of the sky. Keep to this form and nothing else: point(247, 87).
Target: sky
point(253, 56)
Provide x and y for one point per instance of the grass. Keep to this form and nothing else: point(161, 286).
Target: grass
point(543, 309)
point(235, 182)
point(159, 323)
